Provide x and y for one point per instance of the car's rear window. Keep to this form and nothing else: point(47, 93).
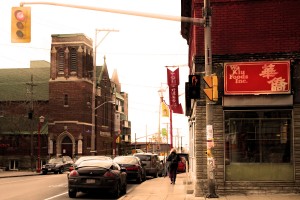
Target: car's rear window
point(97, 163)
point(126, 160)
point(184, 155)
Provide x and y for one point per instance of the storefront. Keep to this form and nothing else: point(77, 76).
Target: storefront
point(258, 120)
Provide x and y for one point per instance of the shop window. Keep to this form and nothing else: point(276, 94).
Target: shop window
point(258, 137)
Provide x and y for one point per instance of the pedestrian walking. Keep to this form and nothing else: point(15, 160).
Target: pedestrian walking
point(173, 160)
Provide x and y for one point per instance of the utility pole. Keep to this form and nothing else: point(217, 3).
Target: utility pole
point(93, 135)
point(30, 116)
point(209, 104)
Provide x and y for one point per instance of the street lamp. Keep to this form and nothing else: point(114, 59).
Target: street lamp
point(41, 121)
point(93, 137)
point(112, 102)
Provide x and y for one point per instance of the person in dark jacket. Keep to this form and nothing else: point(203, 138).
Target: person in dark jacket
point(173, 160)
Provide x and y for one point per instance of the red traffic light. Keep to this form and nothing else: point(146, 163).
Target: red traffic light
point(19, 15)
point(21, 24)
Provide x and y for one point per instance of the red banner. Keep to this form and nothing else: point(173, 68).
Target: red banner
point(173, 82)
point(265, 77)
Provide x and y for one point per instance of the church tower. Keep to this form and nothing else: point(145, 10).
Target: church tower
point(70, 93)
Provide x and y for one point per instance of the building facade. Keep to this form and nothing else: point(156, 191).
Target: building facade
point(255, 129)
point(62, 93)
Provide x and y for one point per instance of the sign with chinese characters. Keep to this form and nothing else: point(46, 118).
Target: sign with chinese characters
point(265, 77)
point(173, 82)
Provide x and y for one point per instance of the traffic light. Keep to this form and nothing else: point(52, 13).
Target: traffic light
point(194, 87)
point(212, 90)
point(20, 24)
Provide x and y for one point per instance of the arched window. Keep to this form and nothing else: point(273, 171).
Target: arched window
point(73, 60)
point(61, 61)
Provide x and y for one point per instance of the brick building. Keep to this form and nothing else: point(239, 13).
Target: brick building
point(256, 131)
point(61, 92)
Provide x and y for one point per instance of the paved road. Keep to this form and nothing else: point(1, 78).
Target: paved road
point(152, 189)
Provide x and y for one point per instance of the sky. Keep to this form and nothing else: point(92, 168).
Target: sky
point(139, 48)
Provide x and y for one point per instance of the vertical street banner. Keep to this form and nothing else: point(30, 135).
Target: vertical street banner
point(173, 82)
point(165, 109)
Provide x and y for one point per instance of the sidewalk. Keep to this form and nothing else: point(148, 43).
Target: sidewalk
point(6, 174)
point(161, 189)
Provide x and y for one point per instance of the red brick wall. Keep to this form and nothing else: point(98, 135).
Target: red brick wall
point(240, 26)
point(79, 94)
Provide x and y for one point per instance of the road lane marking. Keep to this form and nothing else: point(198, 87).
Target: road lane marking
point(56, 196)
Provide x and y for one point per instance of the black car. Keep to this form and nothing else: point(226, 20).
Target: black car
point(57, 165)
point(134, 167)
point(100, 174)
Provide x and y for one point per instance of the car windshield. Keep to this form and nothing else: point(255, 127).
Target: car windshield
point(96, 163)
point(125, 160)
point(55, 160)
point(144, 157)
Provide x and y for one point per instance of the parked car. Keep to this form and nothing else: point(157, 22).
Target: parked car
point(184, 160)
point(94, 174)
point(135, 169)
point(181, 165)
point(164, 165)
point(57, 165)
point(153, 165)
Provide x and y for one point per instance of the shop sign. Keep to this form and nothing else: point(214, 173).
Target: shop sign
point(265, 77)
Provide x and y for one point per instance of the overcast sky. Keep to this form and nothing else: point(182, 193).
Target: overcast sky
point(139, 51)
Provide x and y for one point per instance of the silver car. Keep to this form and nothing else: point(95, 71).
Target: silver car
point(153, 165)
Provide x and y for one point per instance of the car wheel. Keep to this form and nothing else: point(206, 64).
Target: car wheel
point(156, 174)
point(72, 193)
point(44, 172)
point(139, 178)
point(124, 189)
point(144, 177)
point(61, 170)
point(117, 191)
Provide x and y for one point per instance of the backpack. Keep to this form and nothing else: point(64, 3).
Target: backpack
point(174, 160)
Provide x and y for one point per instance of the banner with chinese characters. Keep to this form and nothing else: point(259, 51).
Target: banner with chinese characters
point(173, 82)
point(264, 77)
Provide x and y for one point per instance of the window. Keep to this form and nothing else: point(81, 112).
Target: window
point(73, 61)
point(13, 165)
point(61, 61)
point(66, 100)
point(258, 137)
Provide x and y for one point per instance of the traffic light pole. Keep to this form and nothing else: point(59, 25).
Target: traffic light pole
point(209, 104)
point(196, 21)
